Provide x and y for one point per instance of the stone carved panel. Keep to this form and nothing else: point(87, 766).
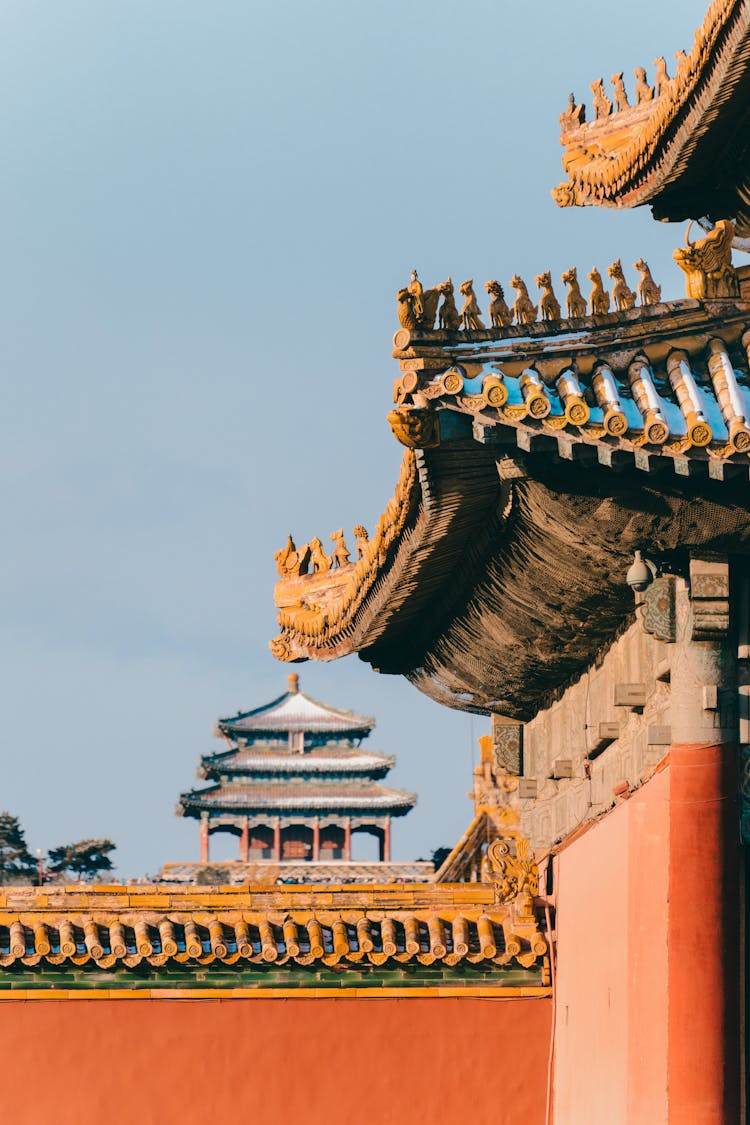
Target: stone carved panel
point(660, 610)
point(507, 739)
point(709, 597)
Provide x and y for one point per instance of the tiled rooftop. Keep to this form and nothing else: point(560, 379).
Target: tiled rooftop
point(300, 793)
point(325, 759)
point(294, 711)
point(664, 385)
point(346, 926)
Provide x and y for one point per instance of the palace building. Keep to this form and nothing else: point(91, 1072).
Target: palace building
point(567, 551)
point(294, 785)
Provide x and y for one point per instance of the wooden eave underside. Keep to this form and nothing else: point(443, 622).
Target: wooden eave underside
point(509, 579)
point(548, 592)
point(687, 153)
point(515, 607)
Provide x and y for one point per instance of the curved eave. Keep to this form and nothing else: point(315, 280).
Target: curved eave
point(685, 153)
point(299, 772)
point(296, 712)
point(236, 732)
point(396, 803)
point(508, 578)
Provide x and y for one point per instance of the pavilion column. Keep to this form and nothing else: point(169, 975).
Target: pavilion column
point(348, 839)
point(703, 915)
point(387, 840)
point(277, 840)
point(204, 840)
point(316, 840)
point(245, 842)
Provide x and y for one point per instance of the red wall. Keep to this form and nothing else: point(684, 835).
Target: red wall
point(317, 1061)
point(612, 923)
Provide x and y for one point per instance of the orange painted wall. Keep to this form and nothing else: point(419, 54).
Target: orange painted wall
point(318, 1062)
point(612, 924)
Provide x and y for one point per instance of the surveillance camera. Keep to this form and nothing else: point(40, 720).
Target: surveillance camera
point(641, 573)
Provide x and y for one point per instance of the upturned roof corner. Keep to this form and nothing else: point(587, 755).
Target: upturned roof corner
point(681, 144)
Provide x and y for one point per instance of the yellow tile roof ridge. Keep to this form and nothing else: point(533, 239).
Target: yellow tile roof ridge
point(451, 926)
point(624, 158)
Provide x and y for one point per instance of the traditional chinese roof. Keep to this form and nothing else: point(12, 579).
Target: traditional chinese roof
point(269, 872)
point(295, 755)
point(295, 712)
point(326, 760)
point(467, 852)
point(144, 936)
point(298, 794)
point(540, 457)
point(683, 146)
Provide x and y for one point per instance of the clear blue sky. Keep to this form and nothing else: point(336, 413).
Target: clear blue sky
point(206, 211)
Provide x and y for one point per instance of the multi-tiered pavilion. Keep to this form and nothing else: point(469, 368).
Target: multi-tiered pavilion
point(294, 784)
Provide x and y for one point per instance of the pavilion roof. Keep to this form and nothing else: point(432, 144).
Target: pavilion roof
point(301, 794)
point(683, 146)
point(294, 711)
point(539, 457)
point(314, 762)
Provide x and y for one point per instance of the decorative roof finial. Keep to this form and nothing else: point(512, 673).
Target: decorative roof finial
point(293, 681)
point(708, 263)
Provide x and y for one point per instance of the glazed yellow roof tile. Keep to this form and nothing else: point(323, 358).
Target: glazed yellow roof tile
point(629, 154)
point(112, 926)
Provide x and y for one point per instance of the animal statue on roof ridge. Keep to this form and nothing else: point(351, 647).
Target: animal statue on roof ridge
point(599, 296)
point(643, 92)
point(448, 316)
point(575, 302)
point(291, 562)
point(471, 312)
point(662, 81)
point(320, 562)
point(524, 309)
point(363, 540)
point(602, 104)
point(500, 315)
point(621, 94)
point(574, 115)
point(417, 307)
point(683, 67)
point(340, 551)
point(549, 306)
point(406, 315)
point(622, 294)
point(707, 263)
point(648, 291)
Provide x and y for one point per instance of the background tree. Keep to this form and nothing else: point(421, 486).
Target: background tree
point(439, 856)
point(85, 859)
point(17, 864)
